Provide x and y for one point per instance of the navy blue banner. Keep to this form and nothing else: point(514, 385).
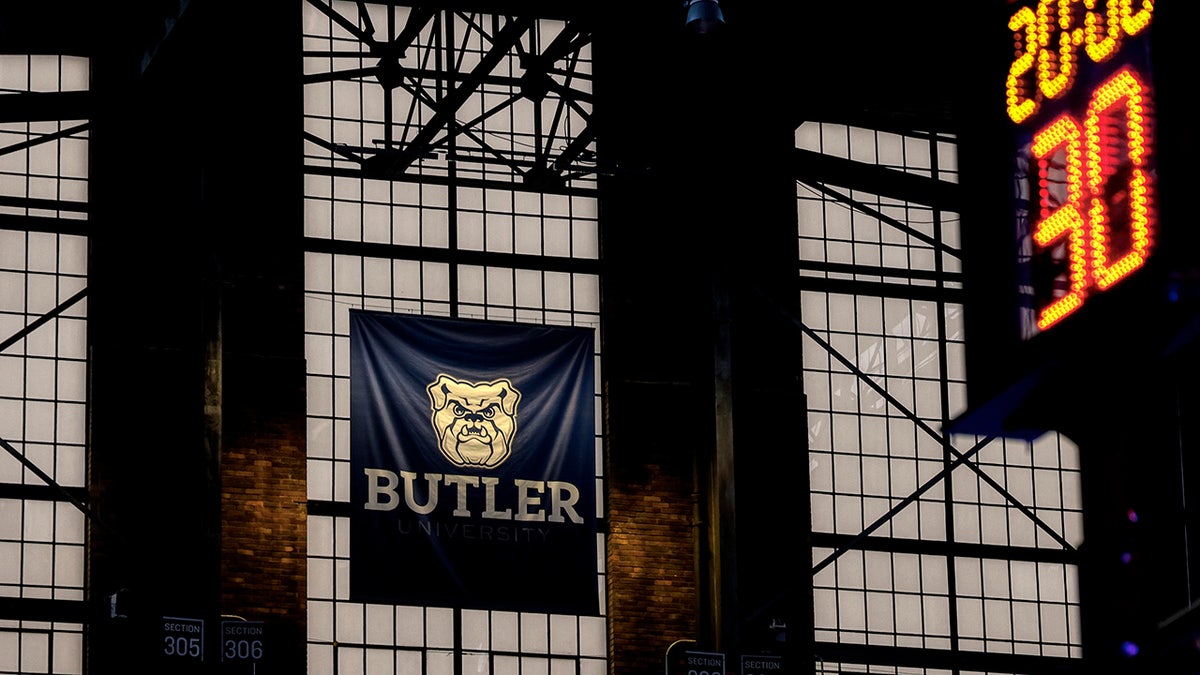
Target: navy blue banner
point(472, 460)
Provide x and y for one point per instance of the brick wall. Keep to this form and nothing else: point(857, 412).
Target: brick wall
point(651, 566)
point(263, 511)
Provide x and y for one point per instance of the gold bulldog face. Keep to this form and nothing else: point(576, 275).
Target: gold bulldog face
point(474, 421)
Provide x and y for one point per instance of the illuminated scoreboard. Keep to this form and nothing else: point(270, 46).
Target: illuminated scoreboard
point(1079, 234)
point(1080, 100)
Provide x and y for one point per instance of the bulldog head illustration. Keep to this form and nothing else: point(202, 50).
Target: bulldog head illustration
point(474, 421)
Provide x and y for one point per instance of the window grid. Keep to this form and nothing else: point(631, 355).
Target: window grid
point(867, 237)
point(422, 231)
point(510, 126)
point(336, 284)
point(883, 598)
point(43, 368)
point(883, 370)
point(44, 163)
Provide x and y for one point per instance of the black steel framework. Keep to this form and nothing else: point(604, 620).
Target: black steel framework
point(461, 183)
point(43, 242)
point(880, 236)
point(452, 86)
point(443, 95)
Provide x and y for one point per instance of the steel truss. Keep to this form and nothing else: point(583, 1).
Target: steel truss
point(490, 97)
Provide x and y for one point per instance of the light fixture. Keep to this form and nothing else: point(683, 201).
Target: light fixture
point(703, 16)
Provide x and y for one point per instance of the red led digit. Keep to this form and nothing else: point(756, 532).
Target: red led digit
point(1095, 185)
point(1119, 187)
point(1060, 144)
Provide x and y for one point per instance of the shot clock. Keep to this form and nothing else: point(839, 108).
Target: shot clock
point(1082, 286)
point(1080, 245)
point(1079, 97)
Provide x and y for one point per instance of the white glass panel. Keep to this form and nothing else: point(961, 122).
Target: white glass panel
point(557, 234)
point(349, 621)
point(10, 563)
point(35, 652)
point(349, 661)
point(68, 653)
point(12, 292)
point(475, 630)
point(564, 635)
point(320, 536)
point(440, 626)
point(379, 629)
point(505, 626)
point(39, 567)
point(534, 633)
point(69, 566)
point(406, 662)
point(936, 614)
point(39, 521)
point(592, 639)
point(71, 379)
point(410, 626)
point(474, 663)
point(71, 422)
point(320, 480)
point(320, 578)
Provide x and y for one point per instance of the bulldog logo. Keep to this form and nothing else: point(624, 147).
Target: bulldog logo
point(474, 421)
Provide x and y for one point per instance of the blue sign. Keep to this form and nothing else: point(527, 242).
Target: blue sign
point(183, 638)
point(762, 664)
point(472, 459)
point(243, 640)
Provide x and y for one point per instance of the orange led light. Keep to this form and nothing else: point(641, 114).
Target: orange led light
point(1062, 137)
point(1134, 22)
point(1047, 42)
point(1102, 32)
point(1059, 310)
point(1114, 140)
point(1094, 184)
point(1117, 105)
point(1020, 104)
point(1056, 69)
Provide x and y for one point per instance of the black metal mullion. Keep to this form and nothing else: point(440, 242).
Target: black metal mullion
point(44, 138)
point(944, 410)
point(443, 117)
point(43, 319)
point(924, 658)
point(941, 247)
point(346, 24)
point(444, 85)
point(68, 495)
point(964, 458)
point(924, 426)
point(47, 204)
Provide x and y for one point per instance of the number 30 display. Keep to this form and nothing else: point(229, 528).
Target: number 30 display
point(1091, 212)
point(1107, 191)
